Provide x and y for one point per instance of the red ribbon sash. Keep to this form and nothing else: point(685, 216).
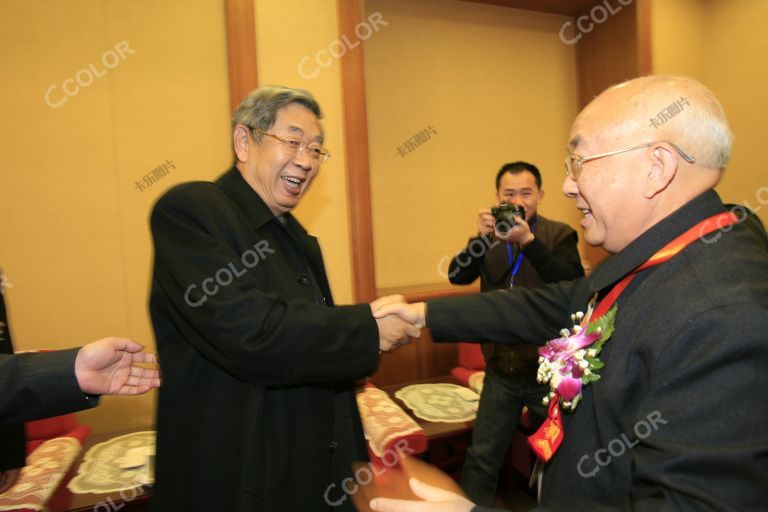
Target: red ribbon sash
point(547, 439)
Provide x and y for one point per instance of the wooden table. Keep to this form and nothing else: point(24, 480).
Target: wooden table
point(447, 443)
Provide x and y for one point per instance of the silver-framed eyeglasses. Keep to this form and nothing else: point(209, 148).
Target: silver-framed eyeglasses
point(293, 147)
point(573, 163)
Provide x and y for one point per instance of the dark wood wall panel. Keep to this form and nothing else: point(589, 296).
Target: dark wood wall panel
point(358, 176)
point(613, 51)
point(241, 50)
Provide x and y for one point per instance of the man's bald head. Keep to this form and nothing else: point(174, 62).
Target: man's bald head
point(629, 112)
point(636, 168)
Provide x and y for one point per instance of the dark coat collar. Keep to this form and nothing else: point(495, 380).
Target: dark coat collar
point(656, 237)
point(252, 205)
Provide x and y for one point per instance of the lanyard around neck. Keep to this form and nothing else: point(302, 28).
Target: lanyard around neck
point(520, 255)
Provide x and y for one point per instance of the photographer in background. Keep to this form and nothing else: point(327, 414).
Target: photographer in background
point(526, 250)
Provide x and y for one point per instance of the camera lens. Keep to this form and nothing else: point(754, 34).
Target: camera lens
point(505, 216)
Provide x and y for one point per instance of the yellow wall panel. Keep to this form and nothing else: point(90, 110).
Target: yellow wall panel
point(723, 43)
point(496, 85)
point(147, 84)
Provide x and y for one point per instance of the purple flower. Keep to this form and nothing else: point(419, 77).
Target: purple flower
point(554, 347)
point(563, 348)
point(569, 387)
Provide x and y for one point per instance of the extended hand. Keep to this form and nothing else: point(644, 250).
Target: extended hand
point(435, 500)
point(108, 367)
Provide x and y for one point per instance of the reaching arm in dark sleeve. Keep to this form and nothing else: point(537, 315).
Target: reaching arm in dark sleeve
point(708, 445)
point(465, 267)
point(34, 386)
point(12, 437)
point(12, 444)
point(527, 315)
point(259, 337)
point(561, 263)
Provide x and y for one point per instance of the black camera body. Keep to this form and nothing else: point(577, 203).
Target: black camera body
point(505, 214)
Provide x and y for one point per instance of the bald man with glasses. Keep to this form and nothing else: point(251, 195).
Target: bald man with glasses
point(676, 420)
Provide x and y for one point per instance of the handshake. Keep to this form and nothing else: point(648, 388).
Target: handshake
point(397, 320)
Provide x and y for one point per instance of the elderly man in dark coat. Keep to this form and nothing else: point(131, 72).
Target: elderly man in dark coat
point(257, 409)
point(677, 420)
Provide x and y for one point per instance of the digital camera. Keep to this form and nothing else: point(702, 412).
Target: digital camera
point(505, 214)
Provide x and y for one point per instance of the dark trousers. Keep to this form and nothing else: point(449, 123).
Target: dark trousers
point(501, 404)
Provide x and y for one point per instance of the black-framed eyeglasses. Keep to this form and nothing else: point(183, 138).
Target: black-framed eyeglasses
point(573, 163)
point(293, 147)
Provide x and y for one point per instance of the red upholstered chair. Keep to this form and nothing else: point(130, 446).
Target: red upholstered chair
point(47, 488)
point(58, 426)
point(470, 361)
point(39, 432)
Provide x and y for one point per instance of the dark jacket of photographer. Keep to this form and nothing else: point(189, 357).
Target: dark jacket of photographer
point(552, 256)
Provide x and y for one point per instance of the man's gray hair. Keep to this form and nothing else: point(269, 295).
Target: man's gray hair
point(709, 126)
point(259, 109)
point(701, 129)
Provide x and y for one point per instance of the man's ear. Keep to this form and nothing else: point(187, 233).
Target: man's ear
point(664, 163)
point(240, 140)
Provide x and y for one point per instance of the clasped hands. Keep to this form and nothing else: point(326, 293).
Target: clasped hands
point(397, 320)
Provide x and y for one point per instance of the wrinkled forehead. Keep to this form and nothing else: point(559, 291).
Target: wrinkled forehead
point(583, 134)
point(296, 119)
